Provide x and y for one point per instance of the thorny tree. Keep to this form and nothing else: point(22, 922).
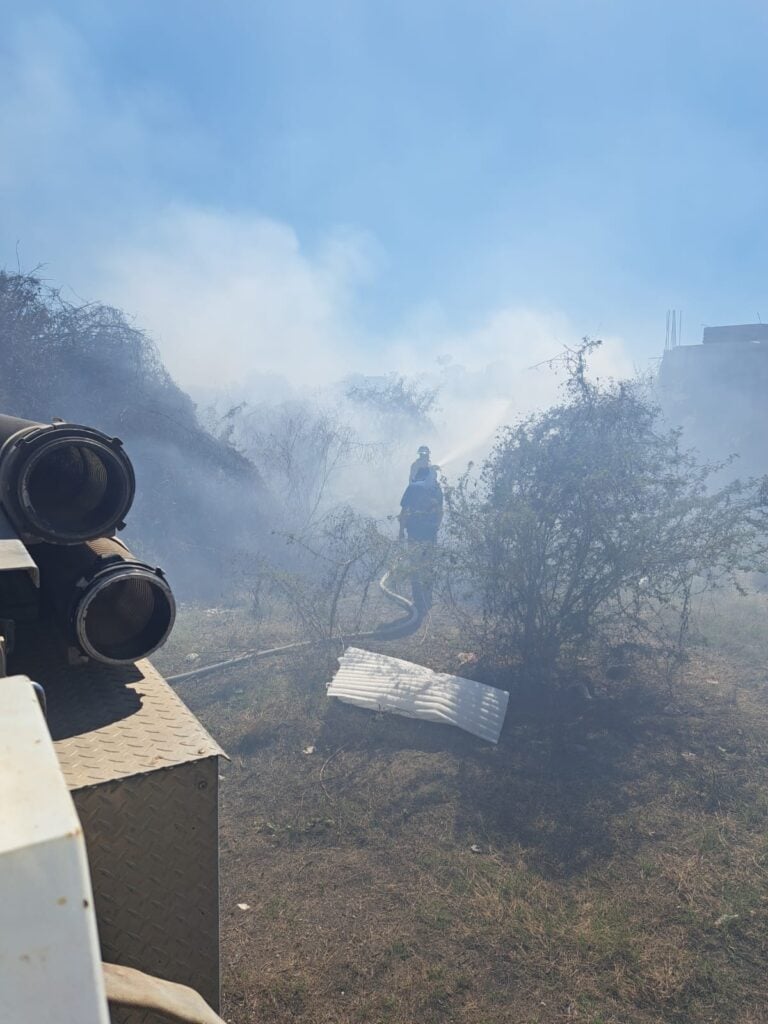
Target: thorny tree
point(402, 404)
point(590, 521)
point(328, 586)
point(299, 449)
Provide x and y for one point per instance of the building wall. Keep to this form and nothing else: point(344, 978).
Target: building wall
point(718, 394)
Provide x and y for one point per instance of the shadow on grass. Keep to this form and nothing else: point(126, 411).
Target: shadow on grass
point(555, 791)
point(561, 790)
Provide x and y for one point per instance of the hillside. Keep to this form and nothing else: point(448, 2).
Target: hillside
point(199, 502)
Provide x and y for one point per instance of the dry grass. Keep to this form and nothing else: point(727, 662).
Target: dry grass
point(623, 872)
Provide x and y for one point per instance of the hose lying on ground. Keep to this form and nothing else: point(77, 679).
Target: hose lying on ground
point(127, 987)
point(404, 626)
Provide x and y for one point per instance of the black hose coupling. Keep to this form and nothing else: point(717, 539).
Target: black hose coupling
point(109, 605)
point(63, 482)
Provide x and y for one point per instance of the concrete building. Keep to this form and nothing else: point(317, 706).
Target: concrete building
point(718, 393)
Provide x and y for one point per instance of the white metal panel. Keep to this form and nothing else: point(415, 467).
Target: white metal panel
point(381, 683)
point(50, 964)
point(13, 554)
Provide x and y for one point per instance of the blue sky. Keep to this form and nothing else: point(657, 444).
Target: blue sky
point(405, 173)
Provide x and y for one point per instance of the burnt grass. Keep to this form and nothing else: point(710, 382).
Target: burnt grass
point(612, 868)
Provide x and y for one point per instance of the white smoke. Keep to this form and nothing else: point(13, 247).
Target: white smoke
point(240, 308)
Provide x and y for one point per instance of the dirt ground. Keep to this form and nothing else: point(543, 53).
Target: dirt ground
point(612, 870)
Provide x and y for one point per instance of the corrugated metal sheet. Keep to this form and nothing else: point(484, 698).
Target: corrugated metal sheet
point(381, 683)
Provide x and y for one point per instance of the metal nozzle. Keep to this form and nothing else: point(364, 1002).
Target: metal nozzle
point(63, 482)
point(114, 608)
point(124, 615)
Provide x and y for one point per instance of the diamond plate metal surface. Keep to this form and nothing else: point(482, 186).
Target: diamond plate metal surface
point(109, 722)
point(153, 849)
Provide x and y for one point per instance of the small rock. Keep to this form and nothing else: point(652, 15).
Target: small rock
point(725, 919)
point(192, 657)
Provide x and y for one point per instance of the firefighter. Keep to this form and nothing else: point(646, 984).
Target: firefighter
point(421, 511)
point(421, 507)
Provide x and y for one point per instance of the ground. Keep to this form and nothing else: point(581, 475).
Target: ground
point(612, 870)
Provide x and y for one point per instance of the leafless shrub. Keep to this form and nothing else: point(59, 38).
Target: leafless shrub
point(329, 583)
point(300, 449)
point(394, 399)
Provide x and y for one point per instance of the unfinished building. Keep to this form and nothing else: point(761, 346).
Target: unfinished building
point(717, 391)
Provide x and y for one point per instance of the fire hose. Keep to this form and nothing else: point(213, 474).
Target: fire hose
point(395, 630)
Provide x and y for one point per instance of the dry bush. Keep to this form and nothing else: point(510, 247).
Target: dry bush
point(588, 523)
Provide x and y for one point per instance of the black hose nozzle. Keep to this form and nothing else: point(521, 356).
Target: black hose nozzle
point(111, 606)
point(63, 482)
